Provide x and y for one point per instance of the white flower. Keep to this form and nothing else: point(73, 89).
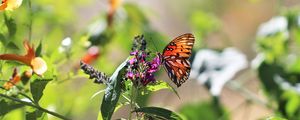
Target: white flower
point(273, 26)
point(215, 69)
point(65, 44)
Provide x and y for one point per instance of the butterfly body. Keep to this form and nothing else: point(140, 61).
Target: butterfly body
point(175, 58)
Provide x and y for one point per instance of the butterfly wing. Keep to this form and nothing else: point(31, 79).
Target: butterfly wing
point(175, 58)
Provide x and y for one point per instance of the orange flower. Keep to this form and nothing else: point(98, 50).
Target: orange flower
point(10, 4)
point(92, 55)
point(13, 80)
point(37, 64)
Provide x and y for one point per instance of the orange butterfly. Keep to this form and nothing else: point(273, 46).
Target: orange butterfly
point(175, 58)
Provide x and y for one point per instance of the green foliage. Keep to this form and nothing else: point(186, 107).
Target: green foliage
point(37, 87)
point(203, 110)
point(278, 73)
point(112, 92)
point(275, 118)
point(10, 24)
point(9, 106)
point(36, 115)
point(159, 113)
point(63, 91)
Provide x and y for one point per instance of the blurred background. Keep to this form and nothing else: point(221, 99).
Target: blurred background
point(100, 32)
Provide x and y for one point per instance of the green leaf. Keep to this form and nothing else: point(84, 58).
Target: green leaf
point(8, 106)
point(99, 116)
point(39, 50)
point(36, 115)
point(157, 86)
point(12, 45)
point(37, 87)
point(293, 102)
point(275, 118)
point(112, 92)
point(267, 73)
point(160, 113)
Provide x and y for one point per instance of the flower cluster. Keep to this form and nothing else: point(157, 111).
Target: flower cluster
point(140, 70)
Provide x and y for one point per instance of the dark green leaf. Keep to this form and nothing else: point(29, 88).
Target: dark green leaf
point(267, 73)
point(37, 87)
point(36, 115)
point(8, 106)
point(39, 50)
point(12, 45)
point(159, 113)
point(112, 92)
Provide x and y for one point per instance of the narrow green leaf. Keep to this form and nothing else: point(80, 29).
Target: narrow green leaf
point(36, 115)
point(99, 116)
point(112, 92)
point(275, 118)
point(39, 49)
point(37, 87)
point(159, 113)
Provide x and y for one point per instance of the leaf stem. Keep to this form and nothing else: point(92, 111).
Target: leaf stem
point(131, 101)
point(35, 106)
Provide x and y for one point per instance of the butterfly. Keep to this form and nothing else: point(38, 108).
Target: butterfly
point(175, 58)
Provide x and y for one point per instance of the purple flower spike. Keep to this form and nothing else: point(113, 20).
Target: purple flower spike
point(139, 69)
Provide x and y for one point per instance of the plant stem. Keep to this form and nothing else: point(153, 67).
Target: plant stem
point(30, 20)
point(132, 100)
point(136, 105)
point(35, 106)
point(248, 94)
